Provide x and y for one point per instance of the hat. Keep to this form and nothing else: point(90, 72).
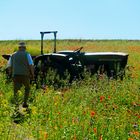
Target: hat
point(22, 44)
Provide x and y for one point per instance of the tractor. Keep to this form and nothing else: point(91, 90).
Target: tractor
point(71, 64)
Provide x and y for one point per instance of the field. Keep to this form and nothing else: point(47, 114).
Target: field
point(88, 110)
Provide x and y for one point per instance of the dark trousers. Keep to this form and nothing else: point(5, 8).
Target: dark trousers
point(19, 81)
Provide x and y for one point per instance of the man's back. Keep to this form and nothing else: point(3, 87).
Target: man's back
point(20, 64)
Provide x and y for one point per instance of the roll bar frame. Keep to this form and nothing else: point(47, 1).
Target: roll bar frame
point(42, 37)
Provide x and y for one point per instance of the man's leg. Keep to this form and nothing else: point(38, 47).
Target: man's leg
point(17, 85)
point(26, 82)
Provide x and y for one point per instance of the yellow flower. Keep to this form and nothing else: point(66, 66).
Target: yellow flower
point(55, 127)
point(34, 110)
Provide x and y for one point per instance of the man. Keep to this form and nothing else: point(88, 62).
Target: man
point(20, 65)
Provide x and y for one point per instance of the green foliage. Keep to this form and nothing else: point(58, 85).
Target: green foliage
point(93, 108)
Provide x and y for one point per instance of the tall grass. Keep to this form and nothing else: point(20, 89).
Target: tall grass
point(93, 109)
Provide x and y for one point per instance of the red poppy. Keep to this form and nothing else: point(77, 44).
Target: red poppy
point(92, 113)
point(95, 130)
point(102, 98)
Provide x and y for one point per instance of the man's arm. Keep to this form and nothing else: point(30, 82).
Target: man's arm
point(31, 66)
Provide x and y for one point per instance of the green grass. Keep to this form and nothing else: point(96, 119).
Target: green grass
point(87, 110)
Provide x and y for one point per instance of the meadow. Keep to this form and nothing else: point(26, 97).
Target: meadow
point(90, 109)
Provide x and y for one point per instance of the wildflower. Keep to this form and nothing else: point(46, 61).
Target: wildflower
point(109, 97)
point(101, 137)
point(92, 113)
point(34, 110)
point(45, 135)
point(102, 98)
point(130, 139)
point(136, 133)
point(55, 127)
point(95, 130)
point(56, 104)
point(134, 104)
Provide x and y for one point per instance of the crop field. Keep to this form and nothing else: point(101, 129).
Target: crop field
point(89, 109)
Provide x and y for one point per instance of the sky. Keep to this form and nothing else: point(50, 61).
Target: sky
point(73, 19)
